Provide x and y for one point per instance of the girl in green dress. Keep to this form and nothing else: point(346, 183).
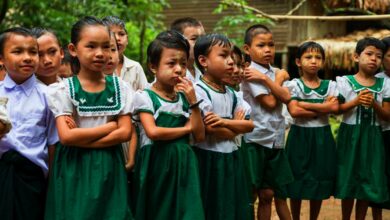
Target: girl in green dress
point(166, 172)
point(360, 150)
point(88, 179)
point(310, 147)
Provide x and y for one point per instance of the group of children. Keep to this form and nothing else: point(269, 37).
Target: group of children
point(201, 142)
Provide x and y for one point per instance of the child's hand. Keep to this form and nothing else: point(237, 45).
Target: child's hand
point(213, 120)
point(365, 98)
point(239, 115)
point(281, 75)
point(330, 99)
point(185, 85)
point(70, 122)
point(253, 75)
point(130, 165)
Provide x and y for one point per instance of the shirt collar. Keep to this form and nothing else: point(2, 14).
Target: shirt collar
point(262, 68)
point(127, 63)
point(27, 86)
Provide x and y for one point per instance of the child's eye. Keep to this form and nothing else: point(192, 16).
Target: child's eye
point(53, 52)
point(271, 44)
point(90, 46)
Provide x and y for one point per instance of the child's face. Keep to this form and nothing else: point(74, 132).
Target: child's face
point(50, 55)
point(369, 60)
point(192, 34)
point(262, 49)
point(121, 38)
point(219, 62)
point(172, 65)
point(93, 49)
point(114, 57)
point(386, 61)
point(310, 62)
point(20, 57)
point(65, 70)
point(238, 71)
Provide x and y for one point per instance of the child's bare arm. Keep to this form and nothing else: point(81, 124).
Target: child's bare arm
point(331, 105)
point(364, 98)
point(132, 149)
point(220, 133)
point(161, 133)
point(298, 112)
point(382, 111)
point(225, 128)
point(81, 136)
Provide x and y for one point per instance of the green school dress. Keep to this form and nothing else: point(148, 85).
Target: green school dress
point(360, 149)
point(222, 177)
point(310, 147)
point(88, 183)
point(166, 173)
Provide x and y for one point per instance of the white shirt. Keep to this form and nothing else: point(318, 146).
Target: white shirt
point(133, 74)
point(385, 124)
point(197, 77)
point(269, 126)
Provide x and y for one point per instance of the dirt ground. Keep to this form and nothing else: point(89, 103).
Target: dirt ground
point(331, 210)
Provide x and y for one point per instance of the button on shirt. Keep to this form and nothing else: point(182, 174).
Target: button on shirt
point(33, 124)
point(269, 125)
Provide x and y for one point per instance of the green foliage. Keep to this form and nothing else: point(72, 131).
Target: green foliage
point(234, 26)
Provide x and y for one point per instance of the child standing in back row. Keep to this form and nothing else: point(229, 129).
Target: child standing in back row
point(361, 155)
point(267, 165)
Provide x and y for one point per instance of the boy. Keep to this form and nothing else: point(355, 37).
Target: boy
point(24, 150)
point(191, 29)
point(268, 167)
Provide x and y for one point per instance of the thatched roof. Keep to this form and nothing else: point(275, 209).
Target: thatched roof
point(376, 6)
point(339, 51)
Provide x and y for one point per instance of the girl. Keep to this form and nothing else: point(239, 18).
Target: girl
point(220, 162)
point(50, 56)
point(360, 151)
point(93, 117)
point(113, 62)
point(310, 147)
point(167, 171)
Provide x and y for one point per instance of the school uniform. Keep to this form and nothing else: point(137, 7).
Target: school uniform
point(89, 183)
point(198, 75)
point(310, 147)
point(265, 160)
point(360, 149)
point(166, 173)
point(24, 150)
point(220, 161)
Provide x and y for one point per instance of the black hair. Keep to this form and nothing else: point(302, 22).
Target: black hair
point(114, 20)
point(76, 30)
point(237, 51)
point(369, 41)
point(204, 44)
point(116, 41)
point(254, 30)
point(307, 46)
point(180, 24)
point(67, 57)
point(386, 42)
point(166, 39)
point(38, 32)
point(4, 36)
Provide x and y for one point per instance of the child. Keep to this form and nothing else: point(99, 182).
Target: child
point(192, 29)
point(310, 146)
point(50, 56)
point(220, 161)
point(65, 70)
point(167, 170)
point(360, 151)
point(266, 162)
point(113, 62)
point(93, 117)
point(24, 150)
point(128, 70)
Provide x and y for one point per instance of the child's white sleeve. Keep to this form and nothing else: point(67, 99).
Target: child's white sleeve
point(4, 115)
point(292, 87)
point(333, 91)
point(386, 90)
point(58, 99)
point(242, 105)
point(206, 105)
point(256, 89)
point(127, 97)
point(343, 88)
point(142, 103)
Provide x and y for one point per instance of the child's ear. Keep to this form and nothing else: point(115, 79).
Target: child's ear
point(153, 68)
point(298, 62)
point(72, 50)
point(246, 49)
point(355, 57)
point(62, 53)
point(203, 61)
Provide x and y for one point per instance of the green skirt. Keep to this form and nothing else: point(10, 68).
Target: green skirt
point(361, 164)
point(312, 156)
point(88, 184)
point(223, 185)
point(167, 182)
point(266, 168)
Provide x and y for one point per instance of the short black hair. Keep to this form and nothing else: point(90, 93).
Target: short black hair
point(204, 44)
point(39, 31)
point(307, 46)
point(254, 30)
point(166, 39)
point(114, 20)
point(237, 51)
point(4, 36)
point(386, 42)
point(369, 41)
point(180, 24)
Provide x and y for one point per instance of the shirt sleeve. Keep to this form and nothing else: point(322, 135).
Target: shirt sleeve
point(333, 91)
point(127, 95)
point(242, 105)
point(386, 90)
point(343, 88)
point(142, 81)
point(256, 89)
point(206, 105)
point(142, 103)
point(51, 129)
point(292, 87)
point(58, 99)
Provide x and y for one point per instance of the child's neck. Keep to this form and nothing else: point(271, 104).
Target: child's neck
point(387, 72)
point(267, 66)
point(47, 80)
point(214, 82)
point(165, 91)
point(365, 79)
point(310, 77)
